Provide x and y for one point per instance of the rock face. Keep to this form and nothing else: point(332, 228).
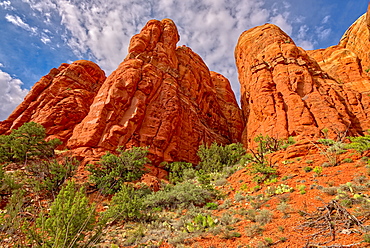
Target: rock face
point(348, 62)
point(162, 97)
point(60, 100)
point(285, 91)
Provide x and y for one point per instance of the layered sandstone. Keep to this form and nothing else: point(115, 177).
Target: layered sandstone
point(285, 92)
point(348, 62)
point(60, 100)
point(161, 97)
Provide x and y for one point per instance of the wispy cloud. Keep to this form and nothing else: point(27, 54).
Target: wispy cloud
point(6, 5)
point(11, 94)
point(16, 20)
point(325, 19)
point(100, 30)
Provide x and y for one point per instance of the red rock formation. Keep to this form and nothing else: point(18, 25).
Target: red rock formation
point(286, 93)
point(162, 97)
point(348, 62)
point(60, 100)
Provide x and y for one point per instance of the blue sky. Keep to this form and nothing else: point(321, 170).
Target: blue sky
point(37, 35)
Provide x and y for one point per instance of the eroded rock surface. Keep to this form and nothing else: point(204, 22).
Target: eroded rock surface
point(60, 100)
point(349, 62)
point(162, 97)
point(285, 92)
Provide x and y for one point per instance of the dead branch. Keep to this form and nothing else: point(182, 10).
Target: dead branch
point(330, 220)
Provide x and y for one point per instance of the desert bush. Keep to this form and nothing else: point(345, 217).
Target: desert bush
point(264, 216)
point(267, 144)
point(332, 151)
point(113, 170)
point(180, 196)
point(216, 157)
point(199, 223)
point(70, 217)
point(7, 183)
point(180, 172)
point(360, 144)
point(12, 221)
point(254, 230)
point(51, 174)
point(262, 169)
point(127, 204)
point(26, 142)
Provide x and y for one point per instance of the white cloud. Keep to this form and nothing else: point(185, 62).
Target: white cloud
point(323, 33)
point(16, 20)
point(100, 30)
point(281, 20)
point(6, 5)
point(11, 94)
point(45, 38)
point(305, 44)
point(325, 19)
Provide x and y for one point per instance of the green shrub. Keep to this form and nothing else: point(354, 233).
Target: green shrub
point(180, 172)
point(215, 158)
point(347, 160)
point(26, 142)
point(180, 196)
point(302, 189)
point(7, 182)
point(212, 205)
point(50, 175)
point(264, 216)
point(200, 222)
point(12, 221)
point(127, 204)
point(307, 168)
point(317, 170)
point(261, 168)
point(262, 172)
point(332, 151)
point(112, 170)
point(360, 144)
point(70, 217)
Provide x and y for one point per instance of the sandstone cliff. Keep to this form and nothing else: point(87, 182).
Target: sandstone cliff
point(60, 100)
point(285, 91)
point(162, 97)
point(348, 62)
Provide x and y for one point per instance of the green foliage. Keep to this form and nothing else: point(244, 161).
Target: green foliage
point(307, 168)
point(50, 175)
point(180, 196)
point(69, 218)
point(127, 204)
point(11, 222)
point(347, 160)
point(26, 142)
point(7, 182)
point(112, 170)
point(200, 222)
point(360, 144)
point(332, 150)
point(215, 158)
point(180, 172)
point(261, 168)
point(211, 205)
point(317, 170)
point(262, 172)
point(366, 238)
point(278, 190)
point(302, 189)
point(267, 144)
